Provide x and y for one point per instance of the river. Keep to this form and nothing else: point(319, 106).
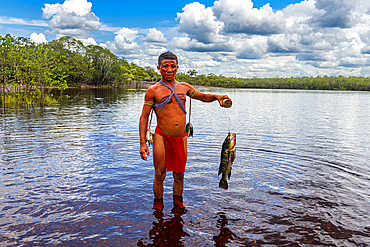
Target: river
point(71, 174)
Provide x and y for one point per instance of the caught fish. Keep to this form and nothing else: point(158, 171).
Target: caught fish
point(227, 159)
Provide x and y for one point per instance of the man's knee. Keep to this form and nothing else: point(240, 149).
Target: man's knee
point(160, 175)
point(178, 176)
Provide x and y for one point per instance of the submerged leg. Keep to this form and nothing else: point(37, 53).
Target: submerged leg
point(160, 171)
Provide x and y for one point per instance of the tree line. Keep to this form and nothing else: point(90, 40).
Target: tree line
point(351, 83)
point(29, 72)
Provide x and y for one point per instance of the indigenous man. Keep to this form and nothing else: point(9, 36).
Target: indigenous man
point(168, 97)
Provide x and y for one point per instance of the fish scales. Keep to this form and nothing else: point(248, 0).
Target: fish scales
point(227, 159)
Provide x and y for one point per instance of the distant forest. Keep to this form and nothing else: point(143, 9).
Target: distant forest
point(29, 71)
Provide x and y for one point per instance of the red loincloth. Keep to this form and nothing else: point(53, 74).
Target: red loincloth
point(174, 151)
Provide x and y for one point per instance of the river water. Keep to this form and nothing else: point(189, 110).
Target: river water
point(71, 174)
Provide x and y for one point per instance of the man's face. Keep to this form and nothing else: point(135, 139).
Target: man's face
point(168, 69)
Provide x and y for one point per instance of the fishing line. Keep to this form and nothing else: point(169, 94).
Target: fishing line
point(229, 123)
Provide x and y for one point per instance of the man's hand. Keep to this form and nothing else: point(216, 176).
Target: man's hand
point(144, 150)
point(220, 98)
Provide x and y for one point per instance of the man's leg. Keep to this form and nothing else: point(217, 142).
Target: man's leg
point(160, 170)
point(178, 182)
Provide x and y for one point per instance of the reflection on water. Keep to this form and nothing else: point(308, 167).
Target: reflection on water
point(166, 231)
point(225, 233)
point(71, 174)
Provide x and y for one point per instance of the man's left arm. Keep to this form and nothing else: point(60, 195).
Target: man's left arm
point(206, 97)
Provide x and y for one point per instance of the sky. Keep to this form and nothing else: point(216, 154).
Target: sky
point(234, 38)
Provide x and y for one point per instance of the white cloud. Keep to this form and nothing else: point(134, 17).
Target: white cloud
point(336, 13)
point(155, 51)
point(108, 28)
point(78, 7)
point(19, 21)
point(352, 62)
point(239, 16)
point(155, 36)
point(89, 41)
point(73, 17)
point(208, 63)
point(284, 43)
point(307, 38)
point(251, 48)
point(199, 23)
point(38, 38)
point(187, 44)
point(124, 41)
point(231, 37)
point(302, 10)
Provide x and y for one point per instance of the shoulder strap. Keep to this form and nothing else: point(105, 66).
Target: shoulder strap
point(164, 103)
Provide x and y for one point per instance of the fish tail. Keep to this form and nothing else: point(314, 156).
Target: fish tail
point(223, 184)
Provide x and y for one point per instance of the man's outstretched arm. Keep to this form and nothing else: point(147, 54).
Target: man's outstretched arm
point(207, 97)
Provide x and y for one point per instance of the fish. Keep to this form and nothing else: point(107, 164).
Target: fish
point(227, 159)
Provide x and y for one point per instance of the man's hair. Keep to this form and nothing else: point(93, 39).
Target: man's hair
point(167, 55)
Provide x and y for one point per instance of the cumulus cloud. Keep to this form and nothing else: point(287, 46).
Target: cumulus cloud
point(73, 17)
point(336, 13)
point(252, 48)
point(38, 38)
point(89, 41)
point(302, 10)
point(199, 23)
point(225, 27)
point(352, 62)
point(155, 36)
point(239, 16)
point(306, 38)
point(187, 44)
point(284, 43)
point(209, 63)
point(124, 41)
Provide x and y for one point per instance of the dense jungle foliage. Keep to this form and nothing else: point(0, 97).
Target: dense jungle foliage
point(29, 72)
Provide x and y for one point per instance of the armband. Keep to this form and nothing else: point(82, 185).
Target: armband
point(192, 93)
point(148, 103)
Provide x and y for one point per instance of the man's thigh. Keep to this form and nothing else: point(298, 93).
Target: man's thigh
point(159, 157)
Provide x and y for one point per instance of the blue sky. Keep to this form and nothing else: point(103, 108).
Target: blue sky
point(242, 38)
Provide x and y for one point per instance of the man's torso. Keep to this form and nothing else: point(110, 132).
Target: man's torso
point(171, 119)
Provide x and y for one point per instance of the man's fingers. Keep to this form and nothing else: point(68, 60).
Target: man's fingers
point(143, 152)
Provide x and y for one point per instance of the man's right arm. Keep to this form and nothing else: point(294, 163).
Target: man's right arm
point(143, 124)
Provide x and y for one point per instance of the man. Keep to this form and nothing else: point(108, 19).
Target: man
point(168, 97)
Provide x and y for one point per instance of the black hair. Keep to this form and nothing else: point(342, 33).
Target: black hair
point(167, 55)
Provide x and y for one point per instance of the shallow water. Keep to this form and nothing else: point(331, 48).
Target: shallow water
point(71, 174)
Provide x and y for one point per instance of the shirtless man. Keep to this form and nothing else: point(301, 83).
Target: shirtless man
point(170, 140)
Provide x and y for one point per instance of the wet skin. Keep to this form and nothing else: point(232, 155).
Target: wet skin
point(171, 120)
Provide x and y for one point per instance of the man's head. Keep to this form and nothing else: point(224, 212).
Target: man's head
point(168, 56)
point(167, 65)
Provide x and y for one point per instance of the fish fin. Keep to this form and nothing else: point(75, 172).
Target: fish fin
point(220, 170)
point(229, 175)
point(223, 184)
point(232, 156)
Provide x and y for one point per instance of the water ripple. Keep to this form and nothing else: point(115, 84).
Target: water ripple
point(71, 174)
